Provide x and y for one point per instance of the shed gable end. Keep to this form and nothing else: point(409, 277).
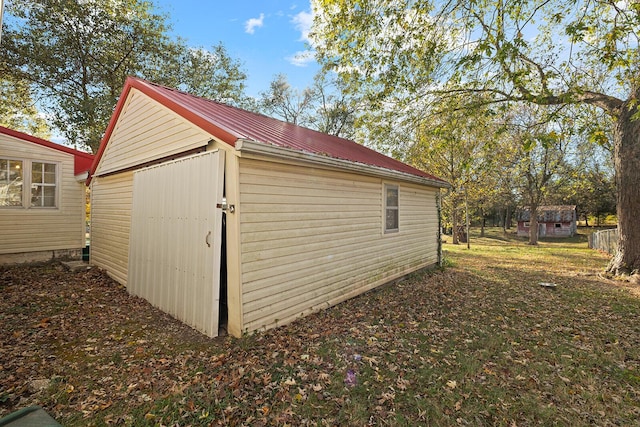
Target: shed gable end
point(146, 131)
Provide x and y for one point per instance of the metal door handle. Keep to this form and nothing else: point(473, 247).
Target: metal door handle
point(207, 239)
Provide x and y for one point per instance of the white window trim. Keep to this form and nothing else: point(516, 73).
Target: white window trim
point(385, 187)
point(56, 198)
point(27, 170)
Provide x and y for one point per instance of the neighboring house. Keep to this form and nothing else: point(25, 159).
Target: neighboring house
point(223, 217)
point(42, 198)
point(553, 221)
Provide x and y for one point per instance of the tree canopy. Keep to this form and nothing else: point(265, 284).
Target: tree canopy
point(554, 52)
point(322, 106)
point(76, 55)
point(18, 110)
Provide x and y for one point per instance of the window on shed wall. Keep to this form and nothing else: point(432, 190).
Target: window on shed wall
point(11, 182)
point(39, 178)
point(391, 209)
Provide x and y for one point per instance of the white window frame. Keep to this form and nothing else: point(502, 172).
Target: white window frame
point(43, 184)
point(387, 208)
point(27, 184)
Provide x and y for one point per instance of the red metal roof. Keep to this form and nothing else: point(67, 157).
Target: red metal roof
point(230, 124)
point(82, 161)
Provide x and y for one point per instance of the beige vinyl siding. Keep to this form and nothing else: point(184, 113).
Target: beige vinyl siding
point(42, 229)
point(146, 131)
point(311, 238)
point(111, 201)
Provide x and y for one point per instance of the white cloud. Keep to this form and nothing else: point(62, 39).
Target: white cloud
point(302, 22)
point(302, 58)
point(253, 23)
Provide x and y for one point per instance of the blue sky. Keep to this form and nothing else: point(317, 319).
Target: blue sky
point(268, 36)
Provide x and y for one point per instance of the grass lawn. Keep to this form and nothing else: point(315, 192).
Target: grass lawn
point(478, 343)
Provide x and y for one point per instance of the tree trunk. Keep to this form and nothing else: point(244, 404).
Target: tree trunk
point(482, 226)
point(504, 220)
point(626, 157)
point(454, 220)
point(533, 224)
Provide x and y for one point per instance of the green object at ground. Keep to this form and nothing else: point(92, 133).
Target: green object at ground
point(33, 416)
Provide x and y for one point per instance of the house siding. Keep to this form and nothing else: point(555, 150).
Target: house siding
point(148, 131)
point(111, 202)
point(311, 238)
point(43, 229)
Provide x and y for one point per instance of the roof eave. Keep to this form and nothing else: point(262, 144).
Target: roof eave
point(258, 148)
point(82, 161)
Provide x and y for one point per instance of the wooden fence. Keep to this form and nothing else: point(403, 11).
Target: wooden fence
point(604, 240)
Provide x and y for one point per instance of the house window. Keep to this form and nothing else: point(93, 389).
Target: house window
point(391, 213)
point(11, 182)
point(43, 185)
point(39, 180)
point(527, 224)
point(558, 225)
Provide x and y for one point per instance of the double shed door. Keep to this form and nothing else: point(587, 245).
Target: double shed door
point(175, 239)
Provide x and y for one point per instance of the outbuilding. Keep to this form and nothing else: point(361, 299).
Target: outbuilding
point(227, 218)
point(553, 221)
point(42, 198)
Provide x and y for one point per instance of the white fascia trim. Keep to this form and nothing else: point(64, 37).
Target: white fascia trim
point(253, 147)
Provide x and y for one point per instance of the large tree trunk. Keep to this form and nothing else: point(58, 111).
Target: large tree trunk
point(626, 157)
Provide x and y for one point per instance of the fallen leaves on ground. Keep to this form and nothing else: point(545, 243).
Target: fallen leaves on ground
point(478, 343)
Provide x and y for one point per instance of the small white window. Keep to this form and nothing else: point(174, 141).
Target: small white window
point(28, 184)
point(11, 182)
point(391, 223)
point(527, 224)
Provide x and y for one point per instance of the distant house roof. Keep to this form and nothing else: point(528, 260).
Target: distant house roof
point(82, 160)
point(558, 213)
point(231, 124)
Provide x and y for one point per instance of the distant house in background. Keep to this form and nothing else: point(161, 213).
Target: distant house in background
point(222, 216)
point(553, 221)
point(42, 198)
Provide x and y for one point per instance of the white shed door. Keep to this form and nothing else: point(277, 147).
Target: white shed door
point(175, 239)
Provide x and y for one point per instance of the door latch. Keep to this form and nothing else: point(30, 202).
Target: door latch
point(225, 206)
